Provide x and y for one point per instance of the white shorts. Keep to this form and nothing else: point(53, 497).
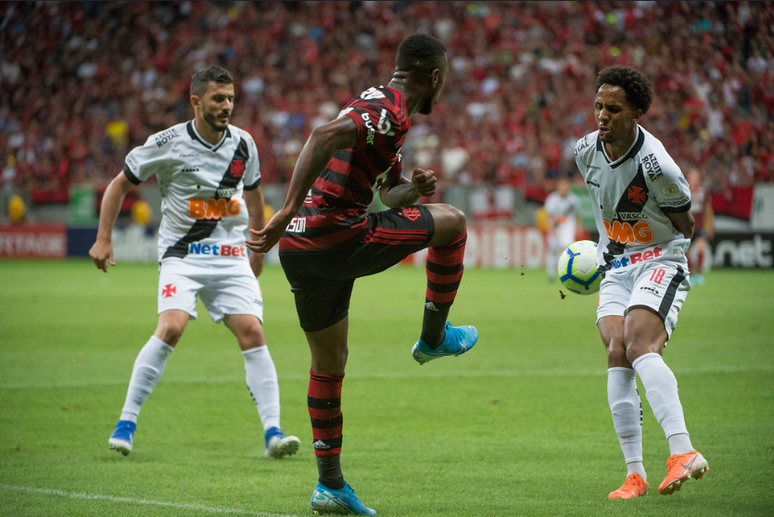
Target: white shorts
point(659, 285)
point(223, 289)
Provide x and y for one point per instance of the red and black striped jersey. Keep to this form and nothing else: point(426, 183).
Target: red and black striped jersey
point(334, 210)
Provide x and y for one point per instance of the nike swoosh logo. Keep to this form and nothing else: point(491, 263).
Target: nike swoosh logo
point(688, 467)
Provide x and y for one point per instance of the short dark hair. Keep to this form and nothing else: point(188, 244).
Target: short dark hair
point(420, 51)
point(201, 80)
point(638, 88)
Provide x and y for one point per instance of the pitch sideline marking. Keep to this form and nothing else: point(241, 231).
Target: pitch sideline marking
point(393, 375)
point(183, 506)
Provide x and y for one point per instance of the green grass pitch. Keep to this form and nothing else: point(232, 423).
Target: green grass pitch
point(518, 426)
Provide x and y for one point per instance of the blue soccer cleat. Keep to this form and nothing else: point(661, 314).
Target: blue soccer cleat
point(458, 340)
point(278, 445)
point(342, 501)
point(121, 439)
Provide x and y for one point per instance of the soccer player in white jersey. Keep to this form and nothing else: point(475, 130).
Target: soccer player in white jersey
point(563, 210)
point(209, 177)
point(641, 204)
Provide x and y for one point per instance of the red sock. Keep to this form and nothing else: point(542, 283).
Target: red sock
point(444, 271)
point(324, 401)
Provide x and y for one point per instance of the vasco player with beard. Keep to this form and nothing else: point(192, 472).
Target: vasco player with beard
point(210, 182)
point(326, 241)
point(641, 204)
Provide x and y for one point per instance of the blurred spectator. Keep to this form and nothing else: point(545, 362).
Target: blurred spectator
point(82, 82)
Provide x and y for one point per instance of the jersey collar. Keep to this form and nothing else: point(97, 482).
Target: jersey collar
point(194, 134)
point(633, 149)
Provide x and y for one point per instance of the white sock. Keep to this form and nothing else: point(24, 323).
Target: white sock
point(679, 444)
point(626, 409)
point(147, 371)
point(661, 390)
point(261, 377)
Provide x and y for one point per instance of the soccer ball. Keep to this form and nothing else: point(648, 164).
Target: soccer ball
point(578, 268)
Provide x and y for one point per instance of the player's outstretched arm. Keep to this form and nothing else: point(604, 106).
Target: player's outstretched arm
point(403, 192)
point(102, 250)
point(324, 140)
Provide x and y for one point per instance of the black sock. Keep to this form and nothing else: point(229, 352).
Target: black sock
point(433, 323)
point(329, 469)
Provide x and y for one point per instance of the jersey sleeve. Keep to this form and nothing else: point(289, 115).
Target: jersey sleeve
point(581, 146)
point(377, 127)
point(671, 189)
point(144, 161)
point(252, 176)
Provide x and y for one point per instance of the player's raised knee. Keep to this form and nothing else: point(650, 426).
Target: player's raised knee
point(448, 217)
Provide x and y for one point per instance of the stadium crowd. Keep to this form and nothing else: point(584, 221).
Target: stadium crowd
point(81, 83)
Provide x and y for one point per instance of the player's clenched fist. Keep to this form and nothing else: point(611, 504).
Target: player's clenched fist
point(424, 181)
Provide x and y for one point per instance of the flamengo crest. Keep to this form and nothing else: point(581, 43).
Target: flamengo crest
point(411, 213)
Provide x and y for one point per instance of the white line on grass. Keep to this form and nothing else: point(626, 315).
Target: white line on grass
point(182, 506)
point(391, 375)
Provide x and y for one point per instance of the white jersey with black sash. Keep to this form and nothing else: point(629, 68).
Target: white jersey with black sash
point(631, 197)
point(204, 216)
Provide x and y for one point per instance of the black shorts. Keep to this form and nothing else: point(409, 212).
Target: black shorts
point(322, 280)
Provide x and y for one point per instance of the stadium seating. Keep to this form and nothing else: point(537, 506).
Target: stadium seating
point(81, 83)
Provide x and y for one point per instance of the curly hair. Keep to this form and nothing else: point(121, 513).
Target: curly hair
point(638, 88)
point(420, 51)
point(200, 81)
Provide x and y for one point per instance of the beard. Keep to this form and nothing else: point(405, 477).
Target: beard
point(209, 118)
point(427, 107)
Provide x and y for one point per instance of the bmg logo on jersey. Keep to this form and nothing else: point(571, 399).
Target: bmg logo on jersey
point(628, 233)
point(201, 209)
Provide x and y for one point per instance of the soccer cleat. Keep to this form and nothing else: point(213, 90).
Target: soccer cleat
point(634, 486)
point(278, 445)
point(681, 467)
point(457, 340)
point(342, 501)
point(121, 439)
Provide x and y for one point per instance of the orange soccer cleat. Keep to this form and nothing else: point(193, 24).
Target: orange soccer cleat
point(634, 486)
point(680, 467)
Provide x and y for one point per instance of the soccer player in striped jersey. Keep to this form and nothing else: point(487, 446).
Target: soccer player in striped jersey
point(641, 204)
point(210, 184)
point(327, 240)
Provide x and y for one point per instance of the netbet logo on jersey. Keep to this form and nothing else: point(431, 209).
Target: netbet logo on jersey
point(212, 208)
point(216, 250)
